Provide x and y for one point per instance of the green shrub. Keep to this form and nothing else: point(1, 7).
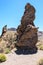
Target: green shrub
point(7, 50)
point(2, 58)
point(40, 62)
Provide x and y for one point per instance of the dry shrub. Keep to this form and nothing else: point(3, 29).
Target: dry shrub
point(40, 62)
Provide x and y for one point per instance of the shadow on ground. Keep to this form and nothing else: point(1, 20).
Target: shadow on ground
point(25, 51)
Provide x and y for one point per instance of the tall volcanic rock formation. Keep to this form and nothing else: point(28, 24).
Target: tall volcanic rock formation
point(27, 32)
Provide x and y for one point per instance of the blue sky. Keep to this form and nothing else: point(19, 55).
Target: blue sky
point(11, 12)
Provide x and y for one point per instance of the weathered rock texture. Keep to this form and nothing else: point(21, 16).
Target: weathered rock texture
point(8, 38)
point(4, 30)
point(27, 32)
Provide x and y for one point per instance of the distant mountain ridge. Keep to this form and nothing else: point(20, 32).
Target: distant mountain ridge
point(12, 29)
point(40, 35)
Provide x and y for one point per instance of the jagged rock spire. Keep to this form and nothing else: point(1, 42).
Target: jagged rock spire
point(27, 32)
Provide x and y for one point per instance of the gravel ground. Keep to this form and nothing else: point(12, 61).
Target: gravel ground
point(28, 59)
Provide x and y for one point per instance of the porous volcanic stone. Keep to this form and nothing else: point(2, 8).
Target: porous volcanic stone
point(27, 32)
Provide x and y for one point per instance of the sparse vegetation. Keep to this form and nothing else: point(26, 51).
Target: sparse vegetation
point(8, 41)
point(40, 46)
point(2, 58)
point(40, 62)
point(7, 50)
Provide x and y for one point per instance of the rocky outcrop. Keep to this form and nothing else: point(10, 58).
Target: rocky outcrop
point(8, 38)
point(4, 30)
point(27, 32)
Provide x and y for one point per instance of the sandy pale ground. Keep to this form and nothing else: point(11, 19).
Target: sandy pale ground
point(29, 59)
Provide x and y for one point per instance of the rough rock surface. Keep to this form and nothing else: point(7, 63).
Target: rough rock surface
point(8, 38)
point(27, 32)
point(4, 30)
